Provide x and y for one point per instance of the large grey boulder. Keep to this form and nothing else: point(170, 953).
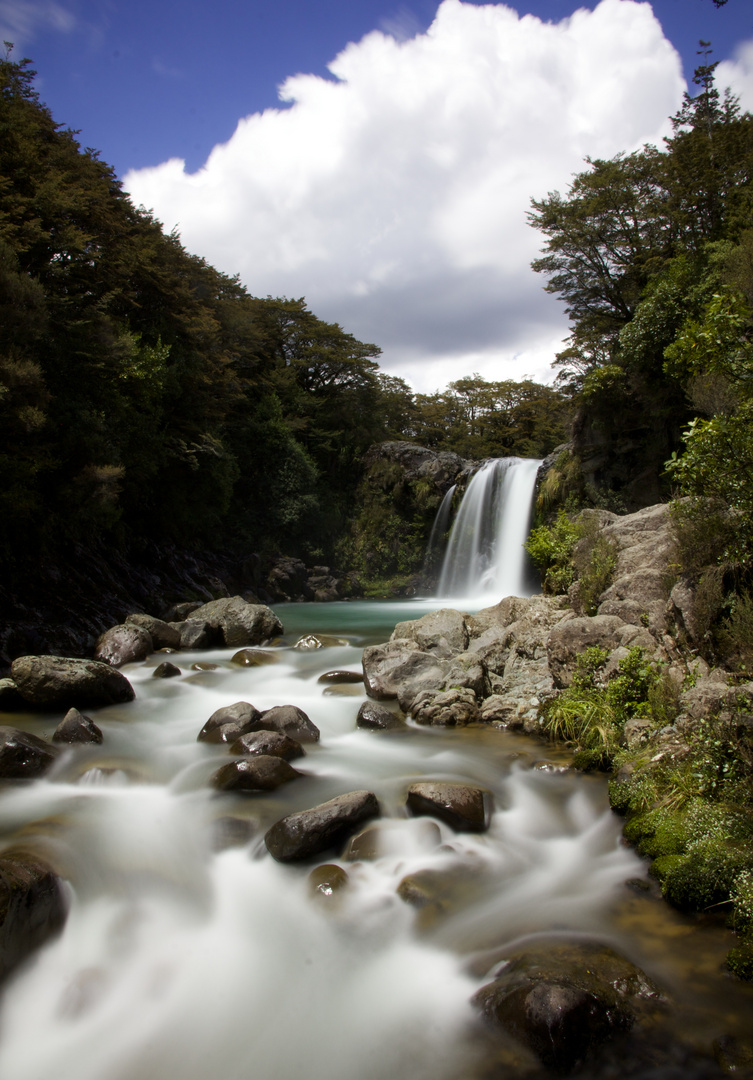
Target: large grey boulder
point(448, 708)
point(123, 645)
point(24, 756)
point(399, 669)
point(32, 907)
point(239, 622)
point(60, 681)
point(443, 633)
point(310, 832)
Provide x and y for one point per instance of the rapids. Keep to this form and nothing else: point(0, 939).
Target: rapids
point(186, 959)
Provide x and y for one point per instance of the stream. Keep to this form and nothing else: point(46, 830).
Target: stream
point(190, 954)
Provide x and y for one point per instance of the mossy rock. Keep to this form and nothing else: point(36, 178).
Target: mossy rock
point(703, 875)
point(740, 960)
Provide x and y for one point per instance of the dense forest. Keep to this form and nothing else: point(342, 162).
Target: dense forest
point(147, 397)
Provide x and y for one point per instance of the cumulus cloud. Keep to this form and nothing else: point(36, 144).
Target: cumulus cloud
point(394, 195)
point(737, 74)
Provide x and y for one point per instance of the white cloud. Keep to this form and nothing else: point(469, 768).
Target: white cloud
point(737, 74)
point(394, 196)
point(20, 20)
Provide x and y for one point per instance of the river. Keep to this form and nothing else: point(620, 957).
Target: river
point(190, 954)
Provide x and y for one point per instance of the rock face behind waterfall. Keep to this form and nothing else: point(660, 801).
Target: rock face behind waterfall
point(500, 664)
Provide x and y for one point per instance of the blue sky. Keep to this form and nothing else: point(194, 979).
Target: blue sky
point(390, 187)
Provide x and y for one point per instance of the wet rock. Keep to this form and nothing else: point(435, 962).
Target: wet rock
point(181, 612)
point(166, 670)
point(375, 717)
point(224, 734)
point(195, 634)
point(10, 699)
point(241, 713)
point(318, 641)
point(273, 743)
point(341, 677)
point(32, 907)
point(260, 772)
point(76, 727)
point(24, 756)
point(450, 708)
point(238, 622)
point(464, 807)
point(290, 720)
point(253, 658)
point(123, 645)
point(203, 665)
point(327, 881)
point(328, 825)
point(564, 1001)
point(162, 634)
point(443, 633)
point(379, 839)
point(58, 681)
point(399, 669)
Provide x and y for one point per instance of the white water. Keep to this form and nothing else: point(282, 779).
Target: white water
point(181, 962)
point(485, 559)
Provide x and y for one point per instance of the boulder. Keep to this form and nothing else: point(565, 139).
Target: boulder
point(464, 807)
point(123, 645)
point(166, 670)
point(375, 717)
point(32, 907)
point(195, 634)
point(59, 681)
point(399, 669)
point(338, 677)
point(76, 727)
point(241, 713)
point(24, 756)
point(449, 708)
point(272, 743)
point(443, 633)
point(238, 622)
point(289, 720)
point(571, 637)
point(163, 635)
point(253, 658)
point(261, 772)
point(564, 1000)
point(310, 832)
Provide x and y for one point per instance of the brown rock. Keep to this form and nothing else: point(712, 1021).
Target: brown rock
point(123, 645)
point(464, 807)
point(24, 756)
point(56, 681)
point(273, 743)
point(75, 727)
point(310, 832)
point(261, 772)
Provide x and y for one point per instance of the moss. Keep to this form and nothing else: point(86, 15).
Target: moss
point(703, 876)
point(740, 960)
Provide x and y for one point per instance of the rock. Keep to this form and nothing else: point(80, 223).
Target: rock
point(290, 720)
point(318, 641)
point(564, 1001)
point(241, 713)
point(75, 727)
point(10, 699)
point(637, 732)
point(464, 807)
point(261, 772)
point(163, 635)
point(253, 658)
point(400, 670)
point(239, 622)
point(310, 832)
point(443, 633)
point(327, 880)
point(123, 645)
point(341, 677)
point(272, 743)
point(195, 634)
point(24, 756)
point(225, 734)
point(181, 612)
point(571, 637)
point(32, 907)
point(446, 709)
point(203, 665)
point(58, 681)
point(166, 670)
point(375, 717)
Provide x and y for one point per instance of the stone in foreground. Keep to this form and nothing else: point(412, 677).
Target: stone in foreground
point(32, 907)
point(464, 807)
point(58, 681)
point(375, 717)
point(328, 825)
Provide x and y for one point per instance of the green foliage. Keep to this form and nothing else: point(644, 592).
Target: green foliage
point(551, 548)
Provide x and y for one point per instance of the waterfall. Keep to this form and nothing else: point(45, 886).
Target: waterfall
point(485, 558)
point(438, 530)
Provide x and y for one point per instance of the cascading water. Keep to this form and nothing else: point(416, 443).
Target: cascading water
point(485, 559)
